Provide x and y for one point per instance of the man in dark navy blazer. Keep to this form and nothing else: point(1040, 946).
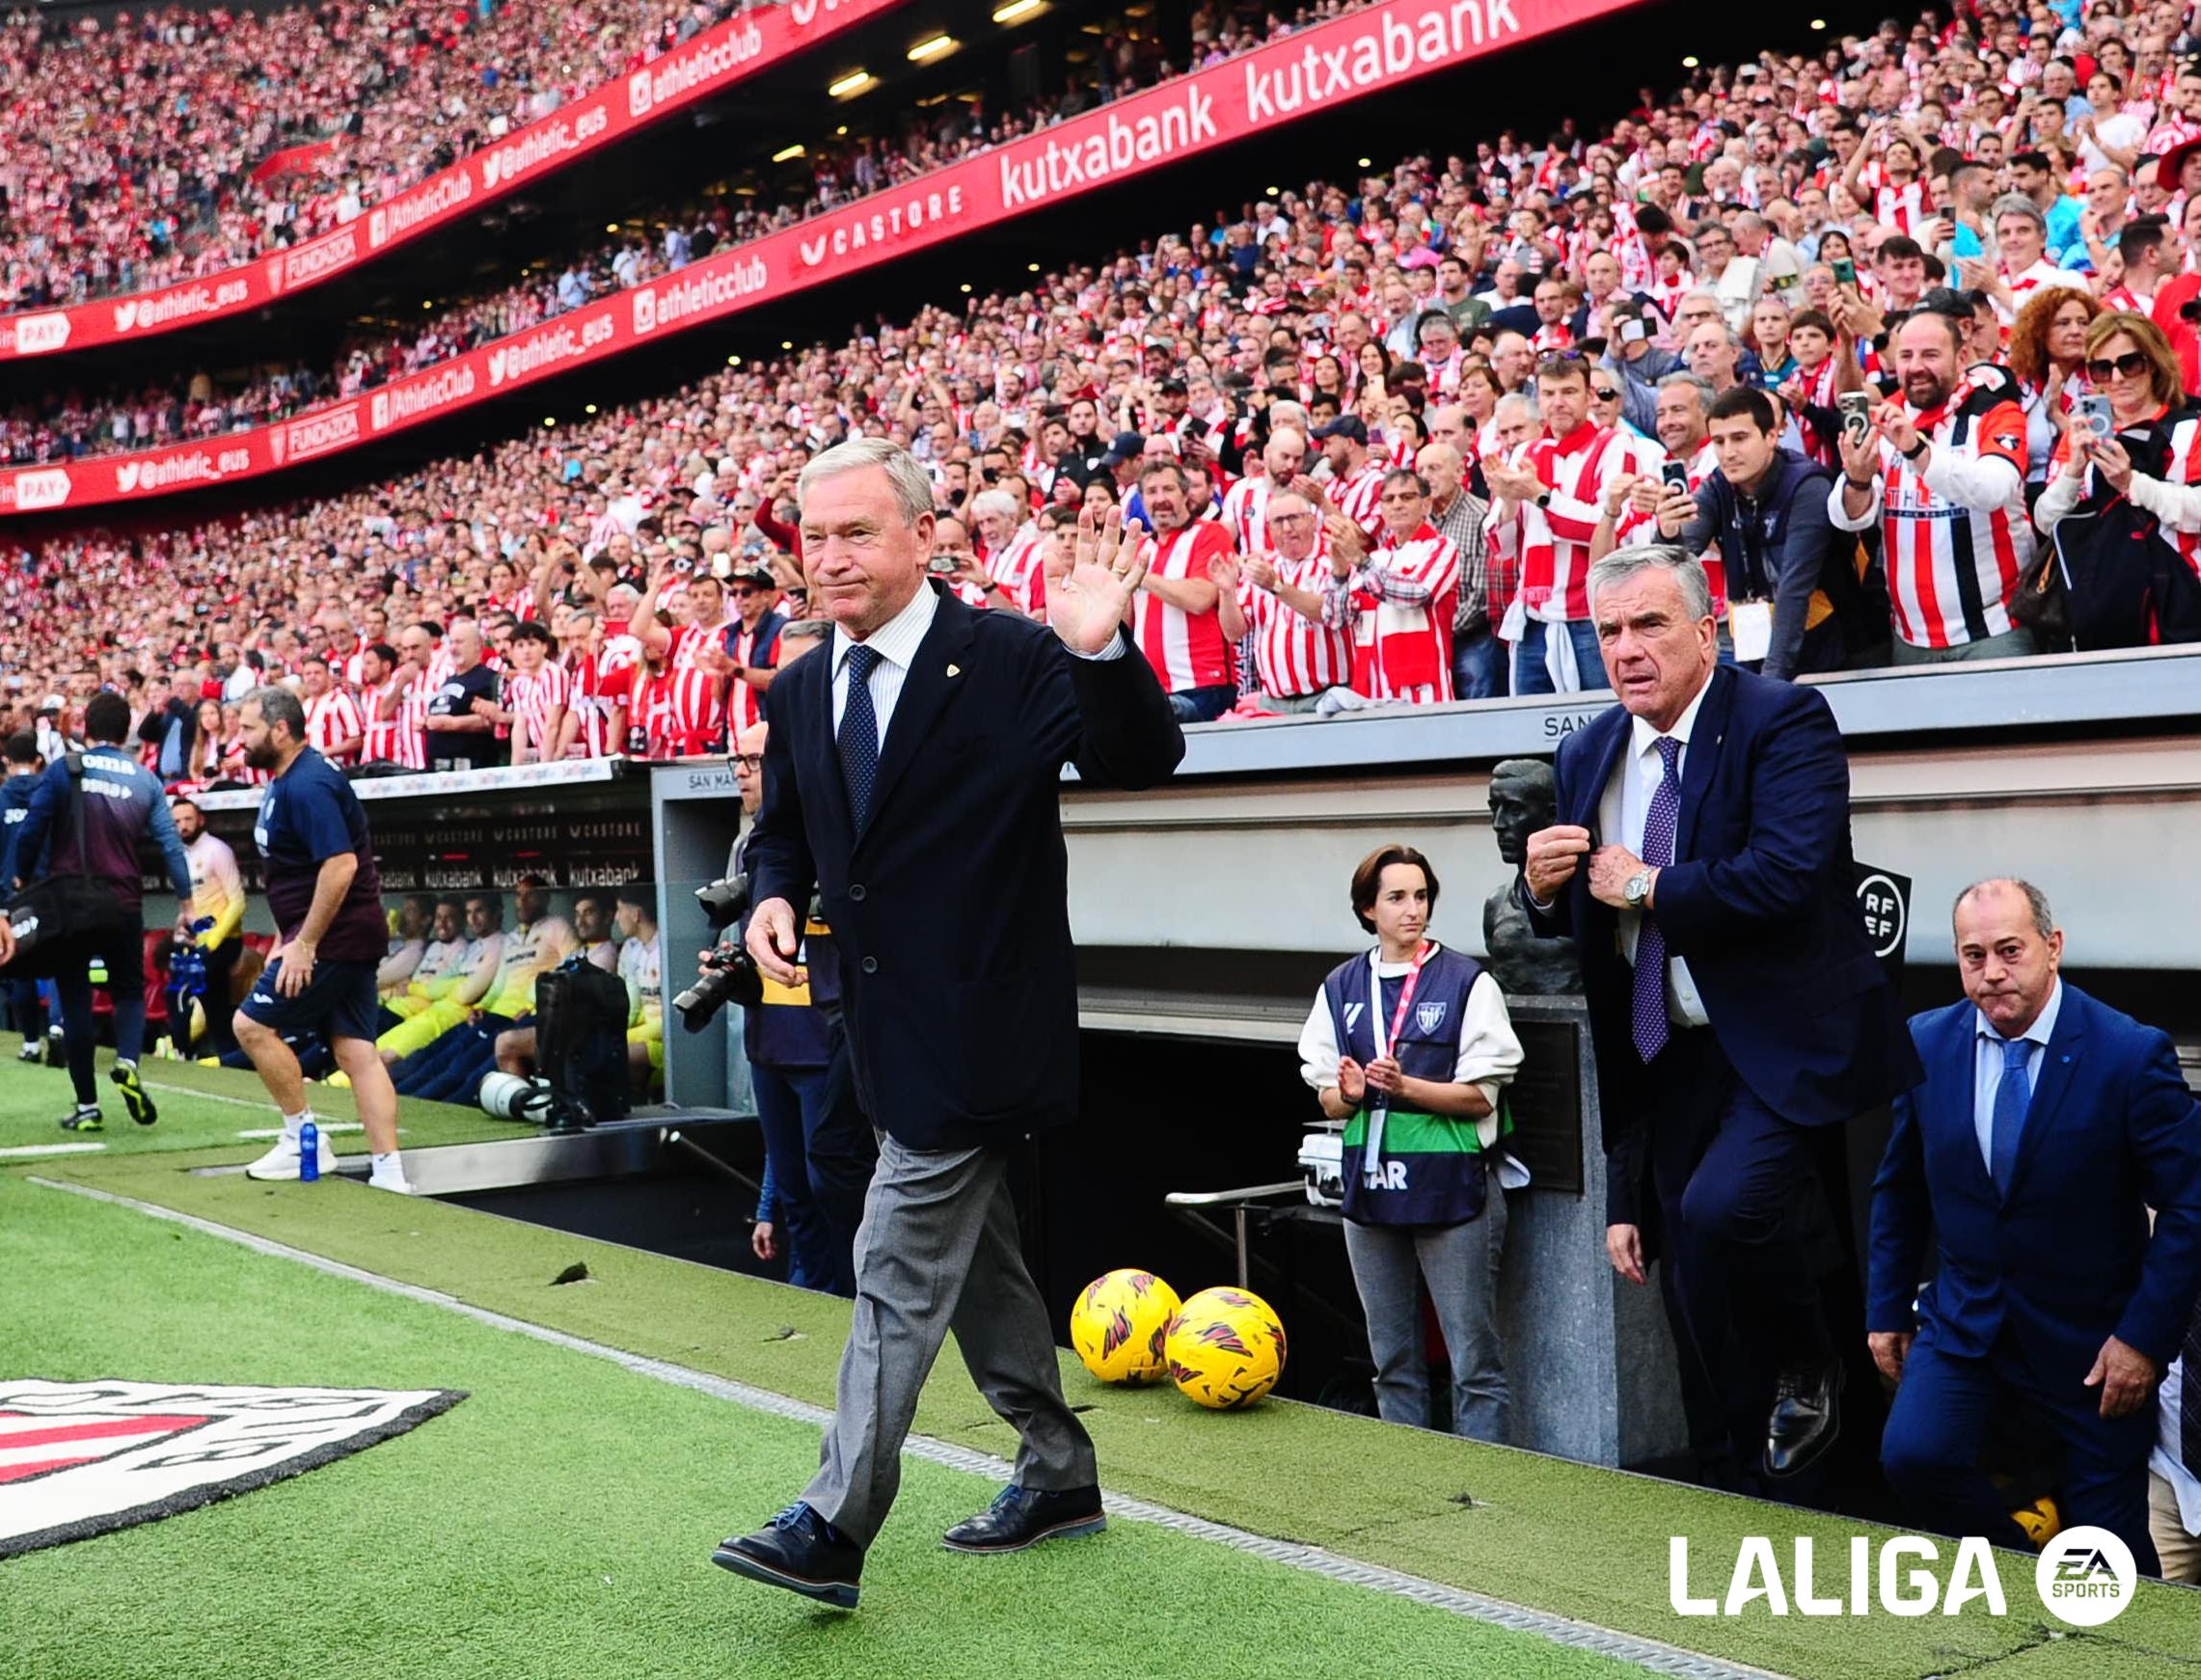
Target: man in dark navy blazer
point(2046, 1127)
point(1702, 861)
point(913, 776)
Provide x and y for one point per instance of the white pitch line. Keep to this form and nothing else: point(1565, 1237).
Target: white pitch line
point(261, 1103)
point(1651, 1654)
point(326, 1125)
point(26, 1150)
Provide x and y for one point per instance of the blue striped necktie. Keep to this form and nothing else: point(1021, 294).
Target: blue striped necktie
point(1648, 1011)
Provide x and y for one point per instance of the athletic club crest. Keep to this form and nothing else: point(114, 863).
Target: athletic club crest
point(86, 1458)
point(1428, 1017)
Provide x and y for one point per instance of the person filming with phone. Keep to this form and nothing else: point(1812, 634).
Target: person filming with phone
point(1944, 470)
point(2120, 512)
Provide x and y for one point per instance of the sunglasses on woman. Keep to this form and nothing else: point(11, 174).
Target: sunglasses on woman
point(2130, 366)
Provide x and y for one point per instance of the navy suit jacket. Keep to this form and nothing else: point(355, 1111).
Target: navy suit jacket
point(2064, 1261)
point(1761, 900)
point(950, 909)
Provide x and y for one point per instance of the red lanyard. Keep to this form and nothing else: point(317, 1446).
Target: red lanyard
point(1405, 998)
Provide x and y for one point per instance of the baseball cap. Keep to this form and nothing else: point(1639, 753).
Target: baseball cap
point(1128, 446)
point(53, 703)
point(1345, 425)
point(754, 573)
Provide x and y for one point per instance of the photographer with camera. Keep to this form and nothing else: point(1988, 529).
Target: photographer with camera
point(790, 1040)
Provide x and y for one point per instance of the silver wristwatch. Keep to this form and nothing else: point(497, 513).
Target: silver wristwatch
point(1638, 888)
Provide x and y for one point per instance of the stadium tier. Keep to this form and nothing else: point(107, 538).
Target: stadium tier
point(1417, 782)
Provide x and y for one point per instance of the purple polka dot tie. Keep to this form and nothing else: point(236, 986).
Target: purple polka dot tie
point(1648, 1011)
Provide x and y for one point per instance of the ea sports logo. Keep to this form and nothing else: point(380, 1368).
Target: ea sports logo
point(2086, 1577)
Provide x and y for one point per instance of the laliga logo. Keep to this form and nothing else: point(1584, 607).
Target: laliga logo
point(645, 311)
point(2085, 1577)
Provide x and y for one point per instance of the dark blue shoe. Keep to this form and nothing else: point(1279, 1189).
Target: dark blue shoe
point(800, 1552)
point(1024, 1516)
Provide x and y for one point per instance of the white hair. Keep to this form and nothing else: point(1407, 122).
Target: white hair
point(912, 490)
point(1687, 571)
point(993, 502)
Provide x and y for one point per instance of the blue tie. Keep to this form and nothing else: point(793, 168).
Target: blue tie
point(859, 735)
point(2189, 1397)
point(2012, 1096)
point(1649, 1011)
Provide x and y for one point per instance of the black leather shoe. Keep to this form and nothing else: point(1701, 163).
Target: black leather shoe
point(1024, 1516)
point(800, 1552)
point(1806, 1419)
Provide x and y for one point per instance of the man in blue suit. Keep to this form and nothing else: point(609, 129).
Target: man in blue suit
point(1701, 860)
point(913, 775)
point(2046, 1127)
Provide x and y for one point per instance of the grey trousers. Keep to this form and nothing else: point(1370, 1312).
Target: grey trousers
point(1460, 1262)
point(2018, 643)
point(938, 1251)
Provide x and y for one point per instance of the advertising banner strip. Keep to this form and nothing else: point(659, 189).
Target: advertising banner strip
point(698, 69)
point(1366, 52)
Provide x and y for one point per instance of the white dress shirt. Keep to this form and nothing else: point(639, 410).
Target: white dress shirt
point(1620, 817)
point(896, 642)
point(1987, 1068)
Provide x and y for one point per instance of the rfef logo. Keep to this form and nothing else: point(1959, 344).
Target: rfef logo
point(79, 1459)
point(2086, 1577)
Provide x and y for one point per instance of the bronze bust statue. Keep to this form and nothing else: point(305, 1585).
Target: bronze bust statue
point(1524, 797)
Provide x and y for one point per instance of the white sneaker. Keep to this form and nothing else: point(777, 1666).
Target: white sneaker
point(391, 1178)
point(282, 1160)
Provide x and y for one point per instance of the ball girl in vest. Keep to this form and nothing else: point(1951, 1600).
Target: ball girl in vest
point(1409, 1044)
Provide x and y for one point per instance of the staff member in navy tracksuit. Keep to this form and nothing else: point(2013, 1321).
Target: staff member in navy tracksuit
point(1410, 1045)
point(122, 804)
point(21, 779)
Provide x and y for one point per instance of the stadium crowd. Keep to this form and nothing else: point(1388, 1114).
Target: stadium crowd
point(1864, 327)
point(69, 423)
point(172, 144)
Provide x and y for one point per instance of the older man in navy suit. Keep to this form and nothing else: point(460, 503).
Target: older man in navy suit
point(913, 777)
point(1701, 860)
point(2046, 1126)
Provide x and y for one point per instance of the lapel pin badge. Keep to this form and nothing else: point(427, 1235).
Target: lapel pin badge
point(955, 670)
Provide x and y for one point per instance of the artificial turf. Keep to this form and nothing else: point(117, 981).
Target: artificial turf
point(1568, 1538)
point(559, 1522)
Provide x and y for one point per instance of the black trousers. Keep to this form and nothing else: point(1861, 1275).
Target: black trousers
point(843, 1150)
point(1729, 1176)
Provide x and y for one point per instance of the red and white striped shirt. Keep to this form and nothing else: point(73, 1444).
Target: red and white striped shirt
point(1554, 583)
point(1016, 566)
point(1954, 553)
point(1360, 497)
point(330, 719)
point(695, 698)
point(597, 686)
point(383, 734)
point(2023, 285)
point(531, 697)
point(1402, 603)
point(1186, 649)
point(1245, 511)
point(1293, 655)
point(1906, 208)
point(411, 736)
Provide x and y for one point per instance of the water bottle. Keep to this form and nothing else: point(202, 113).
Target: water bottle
point(309, 1153)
